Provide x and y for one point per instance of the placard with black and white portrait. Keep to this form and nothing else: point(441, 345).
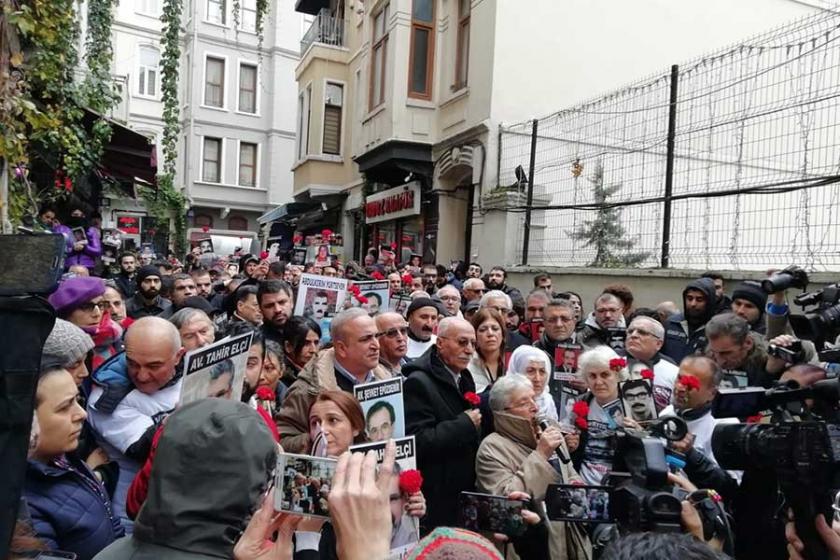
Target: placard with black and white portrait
point(637, 400)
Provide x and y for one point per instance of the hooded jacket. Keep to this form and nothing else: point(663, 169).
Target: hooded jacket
point(318, 375)
point(88, 255)
point(681, 339)
point(447, 440)
point(591, 334)
point(213, 463)
point(508, 461)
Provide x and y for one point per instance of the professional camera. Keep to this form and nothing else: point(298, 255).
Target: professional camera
point(822, 322)
point(804, 455)
point(642, 499)
point(791, 277)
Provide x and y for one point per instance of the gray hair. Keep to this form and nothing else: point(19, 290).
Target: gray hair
point(609, 297)
point(450, 322)
point(504, 387)
point(449, 287)
point(562, 304)
point(655, 326)
point(339, 322)
point(717, 371)
point(469, 283)
point(539, 293)
point(599, 358)
point(728, 324)
point(494, 294)
point(188, 315)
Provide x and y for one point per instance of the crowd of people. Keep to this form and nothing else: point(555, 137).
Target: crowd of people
point(505, 393)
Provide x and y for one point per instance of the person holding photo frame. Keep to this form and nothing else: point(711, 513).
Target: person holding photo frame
point(83, 244)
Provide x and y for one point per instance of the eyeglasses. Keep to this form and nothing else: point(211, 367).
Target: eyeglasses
point(450, 298)
point(640, 332)
point(462, 342)
point(392, 333)
point(90, 306)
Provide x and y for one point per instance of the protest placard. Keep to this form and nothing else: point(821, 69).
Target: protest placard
point(375, 296)
point(399, 303)
point(382, 404)
point(217, 370)
point(406, 530)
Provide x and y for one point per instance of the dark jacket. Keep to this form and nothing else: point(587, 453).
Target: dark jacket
point(126, 284)
point(683, 339)
point(447, 440)
point(69, 507)
point(136, 308)
point(212, 465)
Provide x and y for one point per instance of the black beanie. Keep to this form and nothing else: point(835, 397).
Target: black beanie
point(421, 302)
point(146, 271)
point(752, 292)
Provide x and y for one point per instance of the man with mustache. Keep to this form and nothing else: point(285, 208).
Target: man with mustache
point(147, 302)
point(393, 341)
point(353, 360)
point(446, 425)
point(422, 317)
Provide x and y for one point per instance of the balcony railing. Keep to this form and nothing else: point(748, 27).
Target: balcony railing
point(326, 29)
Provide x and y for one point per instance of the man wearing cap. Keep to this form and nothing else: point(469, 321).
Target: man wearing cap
point(248, 265)
point(748, 302)
point(422, 318)
point(147, 301)
point(132, 394)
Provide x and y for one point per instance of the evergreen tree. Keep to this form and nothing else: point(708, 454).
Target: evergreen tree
point(605, 232)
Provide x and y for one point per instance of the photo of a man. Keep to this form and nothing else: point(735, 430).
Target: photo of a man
point(374, 303)
point(380, 421)
point(637, 400)
point(320, 305)
point(221, 380)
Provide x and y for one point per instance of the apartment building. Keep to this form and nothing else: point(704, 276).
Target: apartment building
point(400, 102)
point(237, 140)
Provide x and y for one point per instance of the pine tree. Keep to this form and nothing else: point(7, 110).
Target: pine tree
point(605, 232)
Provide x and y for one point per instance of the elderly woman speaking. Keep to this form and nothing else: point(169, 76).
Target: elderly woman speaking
point(521, 457)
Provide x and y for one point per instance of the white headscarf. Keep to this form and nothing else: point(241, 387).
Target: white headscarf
point(517, 365)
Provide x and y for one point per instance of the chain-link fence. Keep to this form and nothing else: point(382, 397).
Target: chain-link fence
point(754, 161)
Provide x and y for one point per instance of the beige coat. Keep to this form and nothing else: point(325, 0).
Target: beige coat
point(293, 418)
point(508, 461)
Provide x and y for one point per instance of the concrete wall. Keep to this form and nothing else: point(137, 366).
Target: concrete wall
point(649, 286)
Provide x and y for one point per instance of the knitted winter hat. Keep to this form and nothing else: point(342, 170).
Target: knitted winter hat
point(447, 543)
point(146, 271)
point(421, 302)
point(752, 292)
point(66, 345)
point(75, 292)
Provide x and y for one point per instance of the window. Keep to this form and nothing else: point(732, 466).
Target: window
point(248, 88)
point(303, 122)
point(248, 16)
point(203, 220)
point(421, 63)
point(238, 223)
point(217, 11)
point(462, 57)
point(333, 102)
point(149, 7)
point(212, 160)
point(214, 82)
point(147, 73)
point(378, 58)
point(247, 164)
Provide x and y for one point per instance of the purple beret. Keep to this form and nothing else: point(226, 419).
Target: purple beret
point(75, 292)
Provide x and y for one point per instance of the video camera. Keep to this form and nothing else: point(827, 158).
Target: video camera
point(822, 322)
point(804, 455)
point(642, 499)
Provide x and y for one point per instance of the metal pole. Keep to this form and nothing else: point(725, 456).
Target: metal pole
point(5, 225)
point(669, 168)
point(526, 238)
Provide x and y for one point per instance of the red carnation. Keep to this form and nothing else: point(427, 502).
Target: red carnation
point(362, 299)
point(205, 229)
point(326, 234)
point(472, 398)
point(394, 246)
point(377, 275)
point(754, 419)
point(264, 255)
point(410, 481)
point(407, 278)
point(617, 364)
point(354, 289)
point(265, 394)
point(647, 374)
point(582, 423)
point(689, 382)
point(580, 408)
point(297, 239)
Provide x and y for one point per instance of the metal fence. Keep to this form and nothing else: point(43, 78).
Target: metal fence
point(730, 161)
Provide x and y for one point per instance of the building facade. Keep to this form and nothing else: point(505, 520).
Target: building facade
point(237, 116)
point(401, 101)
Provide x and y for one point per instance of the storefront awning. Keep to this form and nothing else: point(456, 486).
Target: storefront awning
point(288, 210)
point(390, 162)
point(129, 156)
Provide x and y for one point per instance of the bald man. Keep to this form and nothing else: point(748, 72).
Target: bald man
point(132, 393)
point(446, 426)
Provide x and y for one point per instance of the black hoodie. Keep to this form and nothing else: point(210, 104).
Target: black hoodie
point(682, 338)
point(213, 463)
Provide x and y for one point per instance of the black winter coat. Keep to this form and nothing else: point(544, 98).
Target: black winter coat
point(447, 440)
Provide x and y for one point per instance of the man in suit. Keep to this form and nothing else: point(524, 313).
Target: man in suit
point(447, 427)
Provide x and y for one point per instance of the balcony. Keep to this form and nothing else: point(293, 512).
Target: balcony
point(326, 30)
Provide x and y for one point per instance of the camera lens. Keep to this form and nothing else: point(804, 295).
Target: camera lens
point(736, 446)
point(829, 317)
point(777, 282)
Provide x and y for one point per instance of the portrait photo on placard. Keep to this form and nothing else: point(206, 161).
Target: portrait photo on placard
point(637, 400)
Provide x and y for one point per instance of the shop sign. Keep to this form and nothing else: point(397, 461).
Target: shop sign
point(393, 203)
point(128, 224)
